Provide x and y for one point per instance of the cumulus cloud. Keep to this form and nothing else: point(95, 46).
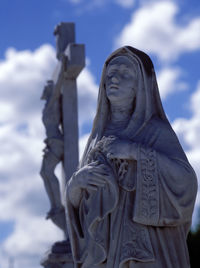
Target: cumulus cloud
point(154, 28)
point(25, 72)
point(88, 5)
point(23, 201)
point(125, 3)
point(87, 97)
point(82, 143)
point(188, 131)
point(169, 81)
point(75, 1)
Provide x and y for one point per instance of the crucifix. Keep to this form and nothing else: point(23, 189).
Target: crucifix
point(60, 118)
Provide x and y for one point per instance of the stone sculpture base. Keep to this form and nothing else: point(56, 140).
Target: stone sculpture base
point(58, 256)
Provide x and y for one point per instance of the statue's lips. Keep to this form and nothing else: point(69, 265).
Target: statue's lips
point(113, 87)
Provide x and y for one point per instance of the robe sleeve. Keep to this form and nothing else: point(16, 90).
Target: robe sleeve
point(166, 183)
point(88, 224)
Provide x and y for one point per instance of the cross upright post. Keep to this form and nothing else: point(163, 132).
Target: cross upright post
point(71, 58)
point(60, 117)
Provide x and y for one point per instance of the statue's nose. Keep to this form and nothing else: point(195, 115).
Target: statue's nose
point(114, 79)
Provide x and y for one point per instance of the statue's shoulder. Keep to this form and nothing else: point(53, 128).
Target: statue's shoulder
point(161, 132)
point(165, 138)
point(161, 125)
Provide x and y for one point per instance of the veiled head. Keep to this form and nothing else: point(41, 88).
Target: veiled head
point(121, 80)
point(139, 88)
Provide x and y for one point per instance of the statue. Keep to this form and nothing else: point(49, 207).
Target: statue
point(60, 118)
point(130, 202)
point(53, 154)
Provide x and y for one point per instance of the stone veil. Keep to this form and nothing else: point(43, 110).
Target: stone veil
point(141, 216)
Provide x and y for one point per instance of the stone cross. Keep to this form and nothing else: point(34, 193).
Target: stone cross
point(71, 58)
point(60, 117)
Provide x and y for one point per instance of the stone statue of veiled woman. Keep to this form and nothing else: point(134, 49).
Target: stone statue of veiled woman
point(131, 200)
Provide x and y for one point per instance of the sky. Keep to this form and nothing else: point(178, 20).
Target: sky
point(168, 31)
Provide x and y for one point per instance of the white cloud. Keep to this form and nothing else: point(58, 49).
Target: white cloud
point(22, 76)
point(169, 81)
point(22, 198)
point(154, 28)
point(188, 131)
point(87, 93)
point(82, 143)
point(125, 3)
point(23, 201)
point(88, 5)
point(75, 1)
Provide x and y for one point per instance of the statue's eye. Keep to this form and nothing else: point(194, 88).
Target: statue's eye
point(110, 74)
point(126, 74)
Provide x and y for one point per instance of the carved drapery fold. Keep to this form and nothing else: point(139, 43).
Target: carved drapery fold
point(147, 193)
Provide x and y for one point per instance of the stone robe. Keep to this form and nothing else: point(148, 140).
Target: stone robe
point(141, 218)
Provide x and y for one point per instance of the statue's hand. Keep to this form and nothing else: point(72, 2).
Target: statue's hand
point(91, 176)
point(122, 149)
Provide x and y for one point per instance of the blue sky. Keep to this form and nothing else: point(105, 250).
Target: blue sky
point(169, 31)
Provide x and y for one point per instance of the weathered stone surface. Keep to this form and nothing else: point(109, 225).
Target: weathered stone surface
point(53, 154)
point(60, 119)
point(130, 203)
point(59, 254)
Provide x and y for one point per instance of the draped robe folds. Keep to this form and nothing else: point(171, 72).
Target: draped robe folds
point(142, 219)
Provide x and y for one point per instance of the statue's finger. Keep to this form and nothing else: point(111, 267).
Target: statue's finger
point(92, 187)
point(94, 163)
point(99, 176)
point(110, 156)
point(98, 183)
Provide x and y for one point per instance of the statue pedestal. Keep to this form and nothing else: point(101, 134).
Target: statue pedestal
point(58, 256)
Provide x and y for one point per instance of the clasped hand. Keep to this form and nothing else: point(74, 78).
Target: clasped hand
point(118, 148)
point(96, 174)
point(92, 176)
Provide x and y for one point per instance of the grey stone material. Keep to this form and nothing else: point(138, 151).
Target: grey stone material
point(68, 68)
point(58, 256)
point(130, 202)
point(53, 154)
point(75, 60)
point(65, 34)
point(60, 119)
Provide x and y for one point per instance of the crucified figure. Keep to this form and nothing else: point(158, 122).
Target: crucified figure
point(53, 154)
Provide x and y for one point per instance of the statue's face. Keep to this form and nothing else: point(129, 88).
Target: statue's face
point(121, 80)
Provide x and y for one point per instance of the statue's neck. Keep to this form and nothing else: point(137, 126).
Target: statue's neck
point(120, 115)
